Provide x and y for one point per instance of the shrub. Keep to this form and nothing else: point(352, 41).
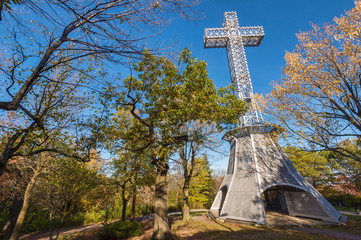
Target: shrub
point(119, 230)
point(146, 209)
point(94, 216)
point(173, 208)
point(337, 198)
point(74, 220)
point(35, 221)
point(3, 216)
point(352, 201)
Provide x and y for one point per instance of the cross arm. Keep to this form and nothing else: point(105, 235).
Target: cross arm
point(251, 36)
point(215, 37)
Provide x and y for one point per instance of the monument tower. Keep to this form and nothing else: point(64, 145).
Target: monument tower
point(257, 164)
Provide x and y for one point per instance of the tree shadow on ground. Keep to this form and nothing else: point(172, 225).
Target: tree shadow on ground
point(263, 235)
point(212, 229)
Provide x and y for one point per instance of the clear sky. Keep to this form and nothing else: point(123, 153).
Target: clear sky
point(281, 20)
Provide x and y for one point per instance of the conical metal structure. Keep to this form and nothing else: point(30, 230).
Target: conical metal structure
point(257, 165)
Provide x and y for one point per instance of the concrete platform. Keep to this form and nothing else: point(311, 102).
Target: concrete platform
point(275, 218)
point(281, 219)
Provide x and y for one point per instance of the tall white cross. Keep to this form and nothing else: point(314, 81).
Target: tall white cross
point(235, 38)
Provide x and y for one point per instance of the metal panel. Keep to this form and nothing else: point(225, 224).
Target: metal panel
point(303, 204)
point(265, 165)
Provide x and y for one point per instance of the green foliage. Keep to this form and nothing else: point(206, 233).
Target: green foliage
point(3, 216)
point(161, 97)
point(94, 216)
point(35, 221)
point(119, 230)
point(340, 199)
point(146, 209)
point(201, 187)
point(201, 190)
point(174, 208)
point(352, 201)
point(39, 221)
point(114, 212)
point(350, 171)
point(59, 194)
point(317, 167)
point(68, 236)
point(164, 96)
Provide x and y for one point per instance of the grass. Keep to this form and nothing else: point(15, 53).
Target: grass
point(209, 229)
point(204, 228)
point(350, 209)
point(352, 226)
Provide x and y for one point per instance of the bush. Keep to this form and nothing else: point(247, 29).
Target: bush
point(341, 199)
point(35, 221)
point(74, 220)
point(146, 209)
point(3, 216)
point(119, 230)
point(352, 201)
point(94, 216)
point(173, 208)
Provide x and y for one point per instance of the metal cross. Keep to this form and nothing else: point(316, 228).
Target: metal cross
point(235, 38)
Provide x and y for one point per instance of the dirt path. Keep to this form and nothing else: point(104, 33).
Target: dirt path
point(62, 232)
point(44, 235)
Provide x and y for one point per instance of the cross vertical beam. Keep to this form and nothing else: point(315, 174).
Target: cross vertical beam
point(235, 38)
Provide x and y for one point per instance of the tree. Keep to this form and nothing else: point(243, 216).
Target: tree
point(191, 163)
point(54, 108)
point(26, 199)
point(318, 98)
point(5, 4)
point(130, 171)
point(162, 98)
point(201, 187)
point(26, 163)
point(349, 173)
point(318, 168)
point(61, 188)
point(81, 29)
point(12, 187)
point(30, 169)
point(70, 37)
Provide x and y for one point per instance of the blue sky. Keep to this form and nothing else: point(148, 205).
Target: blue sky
point(281, 20)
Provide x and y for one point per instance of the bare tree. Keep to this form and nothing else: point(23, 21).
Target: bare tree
point(53, 107)
point(68, 31)
point(64, 44)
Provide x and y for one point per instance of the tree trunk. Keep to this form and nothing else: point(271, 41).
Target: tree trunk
point(161, 226)
point(51, 226)
point(134, 197)
point(20, 221)
point(124, 206)
point(15, 209)
point(186, 215)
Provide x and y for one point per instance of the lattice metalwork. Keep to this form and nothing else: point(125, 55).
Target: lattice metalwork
point(235, 38)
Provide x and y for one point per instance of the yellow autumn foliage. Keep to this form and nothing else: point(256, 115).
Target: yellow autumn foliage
point(318, 98)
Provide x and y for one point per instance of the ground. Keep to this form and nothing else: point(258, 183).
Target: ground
point(203, 228)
